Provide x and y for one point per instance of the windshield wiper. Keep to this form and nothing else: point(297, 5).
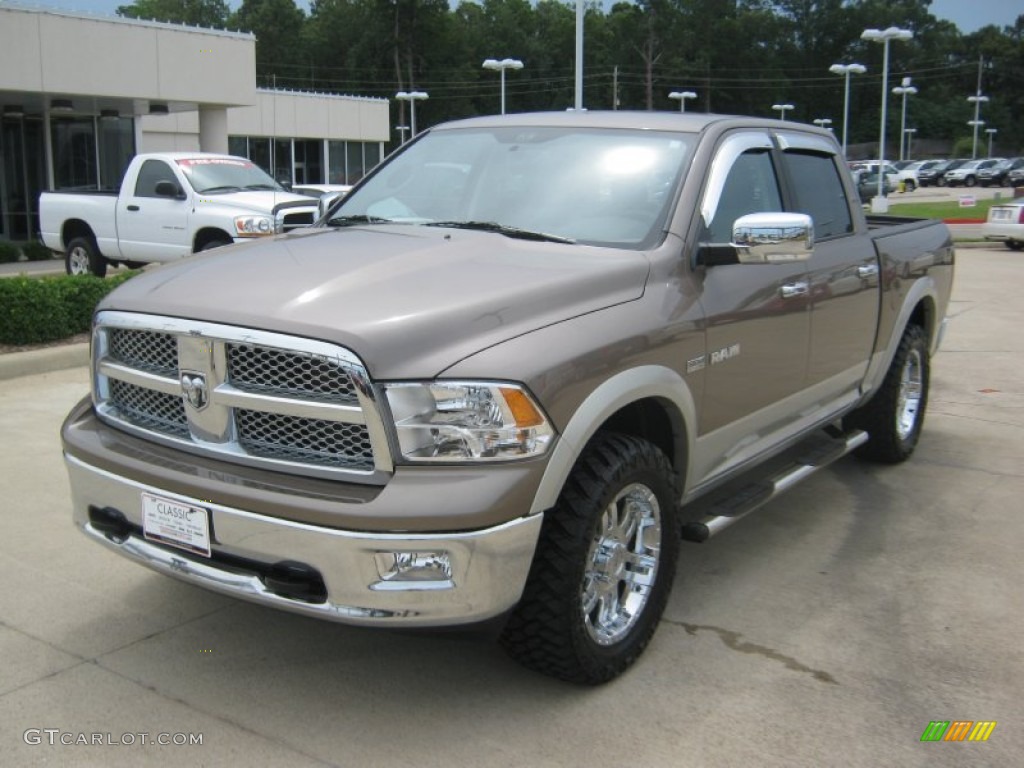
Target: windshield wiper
point(503, 229)
point(224, 188)
point(356, 219)
point(264, 186)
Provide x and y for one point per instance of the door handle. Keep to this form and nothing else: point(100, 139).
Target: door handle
point(867, 270)
point(133, 207)
point(794, 289)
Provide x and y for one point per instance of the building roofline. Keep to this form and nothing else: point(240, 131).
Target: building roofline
point(317, 94)
point(13, 5)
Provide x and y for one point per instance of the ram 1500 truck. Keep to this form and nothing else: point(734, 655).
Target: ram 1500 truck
point(169, 205)
point(508, 374)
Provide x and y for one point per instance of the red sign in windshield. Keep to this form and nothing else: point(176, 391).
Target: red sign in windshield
point(189, 162)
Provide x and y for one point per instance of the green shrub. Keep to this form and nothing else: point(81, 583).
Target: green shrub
point(36, 251)
point(8, 253)
point(34, 310)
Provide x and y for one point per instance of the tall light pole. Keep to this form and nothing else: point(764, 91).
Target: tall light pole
point(909, 132)
point(682, 96)
point(846, 70)
point(904, 90)
point(401, 131)
point(977, 100)
point(991, 134)
point(782, 109)
point(412, 97)
point(822, 122)
point(501, 65)
point(878, 203)
point(578, 98)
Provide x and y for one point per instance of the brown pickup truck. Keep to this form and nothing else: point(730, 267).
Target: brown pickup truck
point(508, 374)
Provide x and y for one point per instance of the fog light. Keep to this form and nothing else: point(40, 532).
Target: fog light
point(413, 570)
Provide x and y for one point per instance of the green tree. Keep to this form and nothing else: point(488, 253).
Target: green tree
point(198, 13)
point(277, 25)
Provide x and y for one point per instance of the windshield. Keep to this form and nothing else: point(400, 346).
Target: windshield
point(586, 185)
point(209, 175)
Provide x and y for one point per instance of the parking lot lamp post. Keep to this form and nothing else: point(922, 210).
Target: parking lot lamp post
point(909, 134)
point(991, 134)
point(822, 122)
point(782, 109)
point(977, 100)
point(883, 36)
point(682, 96)
point(401, 131)
point(846, 70)
point(904, 90)
point(412, 97)
point(501, 65)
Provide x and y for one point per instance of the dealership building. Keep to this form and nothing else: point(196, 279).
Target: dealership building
point(81, 94)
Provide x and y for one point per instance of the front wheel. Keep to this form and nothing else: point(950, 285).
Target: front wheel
point(1014, 245)
point(909, 185)
point(82, 257)
point(970, 181)
point(604, 565)
point(894, 416)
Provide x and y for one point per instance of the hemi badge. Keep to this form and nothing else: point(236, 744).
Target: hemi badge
point(696, 364)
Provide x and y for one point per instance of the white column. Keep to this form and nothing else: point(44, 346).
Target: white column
point(213, 129)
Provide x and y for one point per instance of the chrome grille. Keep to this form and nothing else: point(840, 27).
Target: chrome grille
point(253, 397)
point(149, 409)
point(294, 438)
point(288, 374)
point(296, 220)
point(146, 350)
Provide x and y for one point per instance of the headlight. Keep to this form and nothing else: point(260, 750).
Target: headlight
point(254, 226)
point(467, 421)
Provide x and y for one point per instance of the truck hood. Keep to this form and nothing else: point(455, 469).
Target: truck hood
point(409, 300)
point(256, 201)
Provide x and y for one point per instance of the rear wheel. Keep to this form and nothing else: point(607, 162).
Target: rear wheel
point(909, 185)
point(82, 257)
point(604, 565)
point(894, 416)
point(1014, 245)
point(970, 181)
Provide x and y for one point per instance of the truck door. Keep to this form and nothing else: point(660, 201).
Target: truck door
point(757, 315)
point(844, 280)
point(152, 227)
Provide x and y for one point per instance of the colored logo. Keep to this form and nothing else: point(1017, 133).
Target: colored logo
point(958, 730)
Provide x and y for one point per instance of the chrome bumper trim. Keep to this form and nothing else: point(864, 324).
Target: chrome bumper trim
point(488, 567)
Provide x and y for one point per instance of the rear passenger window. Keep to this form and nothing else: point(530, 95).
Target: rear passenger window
point(819, 193)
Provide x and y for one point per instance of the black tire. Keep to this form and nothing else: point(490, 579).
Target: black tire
point(894, 416)
point(82, 257)
point(209, 246)
point(581, 558)
point(1014, 245)
point(970, 181)
point(909, 185)
point(135, 264)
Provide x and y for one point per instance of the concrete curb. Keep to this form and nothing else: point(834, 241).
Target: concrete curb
point(33, 361)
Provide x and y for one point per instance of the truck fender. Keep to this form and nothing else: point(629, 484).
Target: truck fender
point(923, 289)
point(649, 381)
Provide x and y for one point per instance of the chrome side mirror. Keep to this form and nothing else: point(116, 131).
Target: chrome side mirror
point(773, 238)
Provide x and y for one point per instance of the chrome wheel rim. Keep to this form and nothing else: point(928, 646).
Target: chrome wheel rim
point(908, 406)
point(622, 564)
point(78, 261)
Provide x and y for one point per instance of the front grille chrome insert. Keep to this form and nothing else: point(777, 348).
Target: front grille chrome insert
point(242, 395)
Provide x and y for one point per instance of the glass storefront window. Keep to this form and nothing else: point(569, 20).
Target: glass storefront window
point(354, 154)
point(238, 146)
point(74, 153)
point(282, 160)
point(309, 161)
point(259, 153)
point(117, 148)
point(336, 170)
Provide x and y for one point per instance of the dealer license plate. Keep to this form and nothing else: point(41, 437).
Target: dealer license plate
point(999, 214)
point(179, 525)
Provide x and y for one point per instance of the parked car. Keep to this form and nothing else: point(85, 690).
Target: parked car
point(1015, 178)
point(867, 186)
point(170, 204)
point(1005, 224)
point(934, 176)
point(490, 383)
point(325, 194)
point(967, 173)
point(996, 175)
point(892, 173)
point(908, 174)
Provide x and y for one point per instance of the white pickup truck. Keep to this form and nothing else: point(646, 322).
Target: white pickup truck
point(170, 204)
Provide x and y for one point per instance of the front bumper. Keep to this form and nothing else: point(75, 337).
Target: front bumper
point(484, 578)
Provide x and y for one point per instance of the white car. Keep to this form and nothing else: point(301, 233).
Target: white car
point(908, 174)
point(967, 174)
point(1005, 223)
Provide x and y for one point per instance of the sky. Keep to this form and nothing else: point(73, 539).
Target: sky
point(968, 15)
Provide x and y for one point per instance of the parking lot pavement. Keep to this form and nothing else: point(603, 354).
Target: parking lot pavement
point(830, 628)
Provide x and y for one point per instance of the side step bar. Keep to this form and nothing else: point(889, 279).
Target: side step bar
point(753, 495)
